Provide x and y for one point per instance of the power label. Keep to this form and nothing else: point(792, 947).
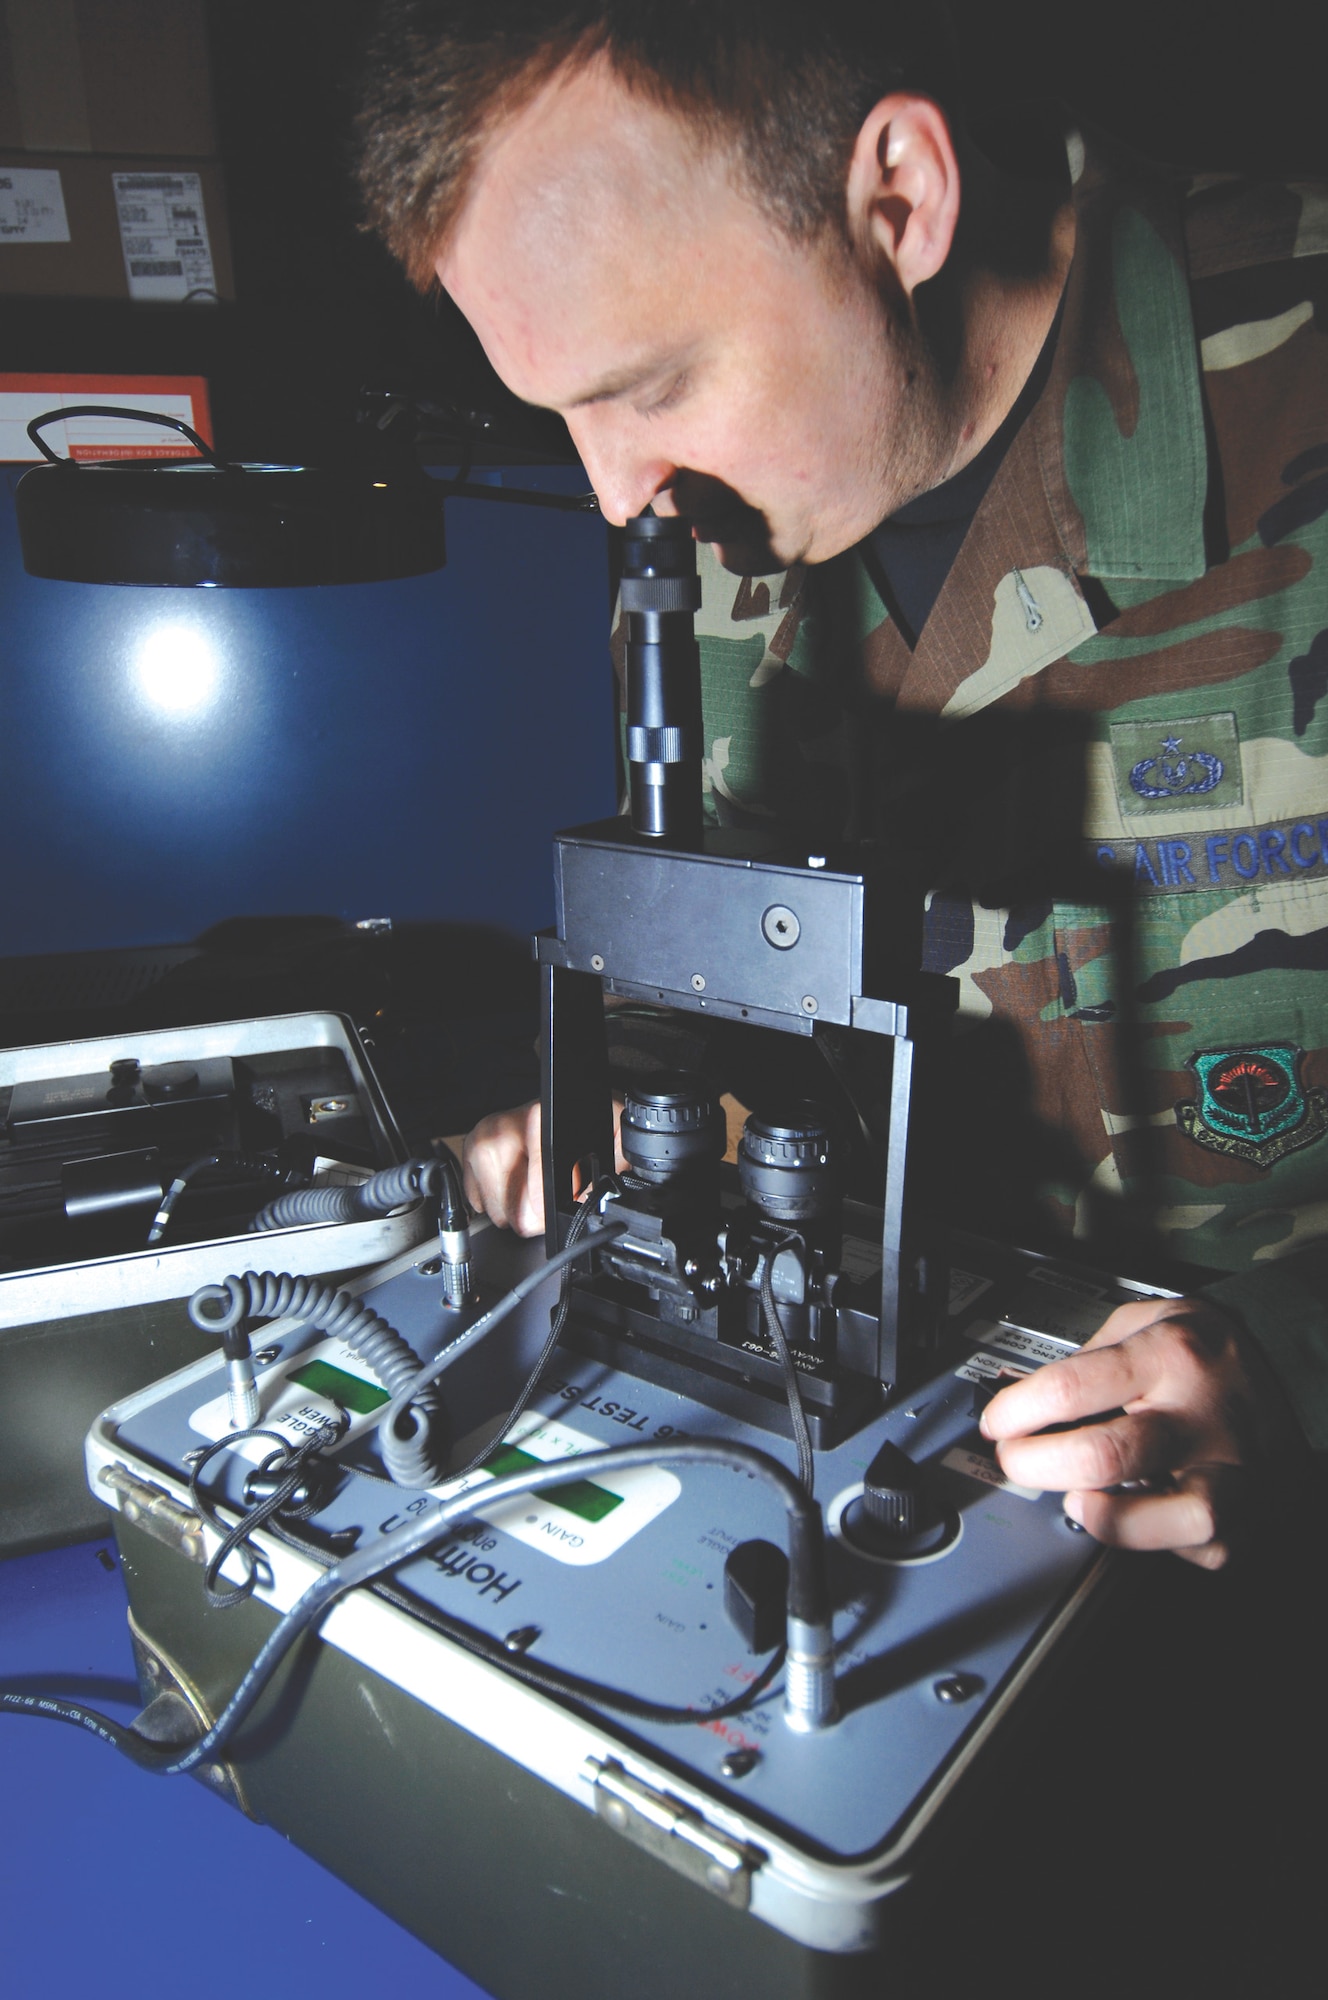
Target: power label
point(325, 1385)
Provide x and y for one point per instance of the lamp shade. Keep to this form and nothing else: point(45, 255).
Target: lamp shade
point(192, 522)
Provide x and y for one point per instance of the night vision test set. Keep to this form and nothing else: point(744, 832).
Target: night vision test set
point(666, 1564)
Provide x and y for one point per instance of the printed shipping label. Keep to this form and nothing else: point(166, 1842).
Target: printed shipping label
point(32, 206)
point(163, 233)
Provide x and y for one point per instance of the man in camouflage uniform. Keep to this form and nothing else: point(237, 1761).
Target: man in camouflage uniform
point(1140, 592)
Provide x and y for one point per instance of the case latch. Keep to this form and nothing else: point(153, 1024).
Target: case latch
point(673, 1832)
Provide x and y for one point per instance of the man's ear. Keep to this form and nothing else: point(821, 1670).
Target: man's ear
point(903, 188)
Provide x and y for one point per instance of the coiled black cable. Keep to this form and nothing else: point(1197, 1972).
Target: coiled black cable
point(808, 1597)
point(437, 1179)
point(580, 1222)
point(410, 1435)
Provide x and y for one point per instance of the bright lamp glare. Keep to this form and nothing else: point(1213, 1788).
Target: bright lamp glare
point(177, 670)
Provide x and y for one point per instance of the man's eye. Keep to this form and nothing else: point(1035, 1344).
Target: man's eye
point(673, 394)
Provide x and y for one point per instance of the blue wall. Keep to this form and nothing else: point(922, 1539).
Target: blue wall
point(400, 749)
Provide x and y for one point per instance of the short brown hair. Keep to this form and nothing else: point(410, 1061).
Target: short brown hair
point(785, 83)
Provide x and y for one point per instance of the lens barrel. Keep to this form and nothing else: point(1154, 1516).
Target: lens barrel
point(671, 1127)
point(660, 593)
point(786, 1165)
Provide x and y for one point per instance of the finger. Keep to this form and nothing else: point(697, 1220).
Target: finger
point(1146, 1445)
point(1131, 1318)
point(1065, 1392)
point(1196, 1518)
point(530, 1204)
point(495, 1164)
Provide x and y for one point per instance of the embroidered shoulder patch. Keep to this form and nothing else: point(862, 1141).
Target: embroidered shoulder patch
point(1252, 1104)
point(1160, 766)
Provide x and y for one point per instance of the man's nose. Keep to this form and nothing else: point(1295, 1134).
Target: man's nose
point(626, 480)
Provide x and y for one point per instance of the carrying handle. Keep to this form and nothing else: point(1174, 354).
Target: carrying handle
point(114, 410)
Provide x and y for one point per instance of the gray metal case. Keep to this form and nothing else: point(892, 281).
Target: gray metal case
point(77, 1336)
point(545, 1844)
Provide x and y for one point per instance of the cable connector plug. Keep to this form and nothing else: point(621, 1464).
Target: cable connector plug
point(242, 1404)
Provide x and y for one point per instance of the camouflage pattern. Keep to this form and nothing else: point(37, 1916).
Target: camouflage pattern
point(1150, 569)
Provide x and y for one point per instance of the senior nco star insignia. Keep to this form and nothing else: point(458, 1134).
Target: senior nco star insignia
point(1252, 1104)
point(1176, 774)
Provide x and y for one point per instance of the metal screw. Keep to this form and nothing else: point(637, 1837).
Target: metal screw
point(615, 1812)
point(809, 1003)
point(698, 982)
point(780, 927)
point(597, 961)
point(957, 1687)
point(522, 1639)
point(739, 1762)
point(266, 1355)
point(719, 1879)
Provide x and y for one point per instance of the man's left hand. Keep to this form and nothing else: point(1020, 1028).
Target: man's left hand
point(1195, 1430)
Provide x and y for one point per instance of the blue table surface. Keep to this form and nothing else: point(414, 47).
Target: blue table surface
point(118, 1883)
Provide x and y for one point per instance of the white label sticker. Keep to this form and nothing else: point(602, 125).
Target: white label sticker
point(163, 233)
point(320, 1383)
point(982, 1367)
point(965, 1286)
point(32, 206)
point(590, 1518)
point(976, 1465)
point(1036, 1347)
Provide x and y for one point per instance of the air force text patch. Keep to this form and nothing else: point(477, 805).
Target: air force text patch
point(1238, 857)
point(1252, 1104)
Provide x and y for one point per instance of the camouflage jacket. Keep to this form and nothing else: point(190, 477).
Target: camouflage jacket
point(1109, 754)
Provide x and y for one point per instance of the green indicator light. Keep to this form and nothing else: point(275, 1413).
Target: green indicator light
point(579, 1496)
point(352, 1392)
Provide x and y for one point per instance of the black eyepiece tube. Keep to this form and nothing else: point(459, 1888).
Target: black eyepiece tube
point(660, 594)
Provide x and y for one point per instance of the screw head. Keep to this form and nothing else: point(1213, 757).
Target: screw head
point(957, 1687)
point(780, 927)
point(739, 1763)
point(810, 1003)
point(597, 961)
point(719, 1879)
point(615, 1812)
point(522, 1639)
point(698, 982)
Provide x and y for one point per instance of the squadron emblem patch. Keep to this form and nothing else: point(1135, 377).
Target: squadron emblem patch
point(1252, 1104)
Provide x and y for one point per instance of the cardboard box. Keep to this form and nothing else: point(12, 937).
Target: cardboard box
point(105, 76)
point(23, 397)
point(119, 227)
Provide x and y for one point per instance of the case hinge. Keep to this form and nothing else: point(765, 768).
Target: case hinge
point(672, 1831)
point(152, 1509)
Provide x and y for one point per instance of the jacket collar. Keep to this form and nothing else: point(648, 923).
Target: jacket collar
point(1107, 478)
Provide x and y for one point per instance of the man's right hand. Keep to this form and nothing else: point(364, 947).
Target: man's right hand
point(503, 1174)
